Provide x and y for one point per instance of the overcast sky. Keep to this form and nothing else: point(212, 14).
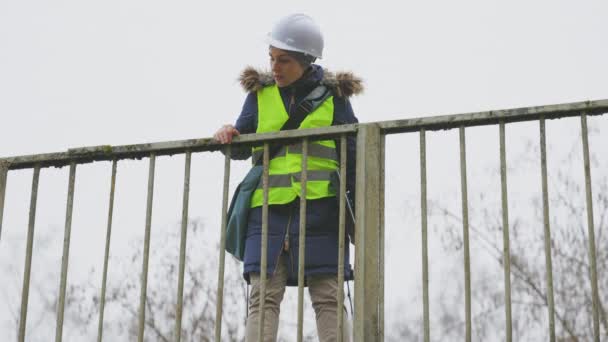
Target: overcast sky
point(76, 73)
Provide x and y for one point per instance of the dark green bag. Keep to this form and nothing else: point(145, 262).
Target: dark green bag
point(238, 213)
point(236, 230)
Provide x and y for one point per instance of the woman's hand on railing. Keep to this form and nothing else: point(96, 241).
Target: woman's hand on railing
point(225, 134)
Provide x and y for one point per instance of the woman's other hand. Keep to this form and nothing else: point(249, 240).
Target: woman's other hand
point(225, 133)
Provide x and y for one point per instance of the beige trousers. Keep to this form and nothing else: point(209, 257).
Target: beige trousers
point(323, 290)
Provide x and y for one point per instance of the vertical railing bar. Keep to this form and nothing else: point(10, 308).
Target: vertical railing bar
point(547, 228)
point(66, 253)
point(264, 243)
point(3, 181)
point(381, 243)
point(591, 229)
point(102, 302)
point(28, 254)
point(302, 239)
point(425, 256)
point(182, 248)
point(341, 238)
point(505, 231)
point(146, 254)
point(465, 233)
point(221, 271)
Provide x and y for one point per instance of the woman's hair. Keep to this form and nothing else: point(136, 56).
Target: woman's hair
point(304, 59)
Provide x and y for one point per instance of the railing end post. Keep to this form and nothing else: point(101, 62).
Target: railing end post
point(369, 215)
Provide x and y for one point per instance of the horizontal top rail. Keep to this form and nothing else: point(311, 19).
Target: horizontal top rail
point(90, 154)
point(494, 117)
point(107, 152)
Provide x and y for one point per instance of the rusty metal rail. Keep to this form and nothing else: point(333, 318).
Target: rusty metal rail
point(369, 264)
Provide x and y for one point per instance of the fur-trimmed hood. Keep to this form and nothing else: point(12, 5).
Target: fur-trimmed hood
point(342, 84)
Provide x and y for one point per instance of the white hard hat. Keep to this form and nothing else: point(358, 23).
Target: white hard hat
point(297, 32)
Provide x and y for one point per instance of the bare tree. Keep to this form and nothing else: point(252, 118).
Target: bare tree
point(200, 288)
point(43, 289)
point(124, 286)
point(530, 293)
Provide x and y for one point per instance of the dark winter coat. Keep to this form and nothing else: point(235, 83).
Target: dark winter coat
point(321, 214)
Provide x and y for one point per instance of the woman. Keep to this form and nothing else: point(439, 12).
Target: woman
point(294, 44)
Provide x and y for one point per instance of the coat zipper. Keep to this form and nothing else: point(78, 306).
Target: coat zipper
point(285, 238)
point(292, 101)
point(286, 241)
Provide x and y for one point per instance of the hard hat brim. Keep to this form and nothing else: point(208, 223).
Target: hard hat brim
point(283, 46)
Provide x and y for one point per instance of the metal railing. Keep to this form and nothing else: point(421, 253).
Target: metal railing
point(369, 212)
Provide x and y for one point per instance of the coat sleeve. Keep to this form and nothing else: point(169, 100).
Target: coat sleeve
point(343, 114)
point(246, 123)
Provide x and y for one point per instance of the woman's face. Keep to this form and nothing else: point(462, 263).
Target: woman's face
point(285, 68)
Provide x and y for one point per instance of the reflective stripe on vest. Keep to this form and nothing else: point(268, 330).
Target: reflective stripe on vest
point(286, 166)
point(314, 150)
point(285, 181)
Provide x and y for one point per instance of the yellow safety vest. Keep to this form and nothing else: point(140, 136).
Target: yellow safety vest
point(286, 166)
